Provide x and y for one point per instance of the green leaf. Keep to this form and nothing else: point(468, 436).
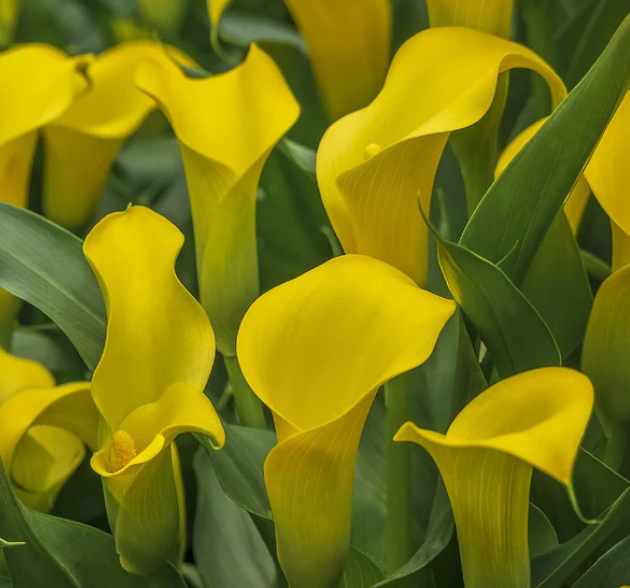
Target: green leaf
point(542, 535)
point(604, 21)
point(243, 29)
point(228, 548)
point(517, 211)
point(612, 570)
point(515, 334)
point(552, 569)
point(44, 265)
point(439, 534)
point(558, 288)
point(360, 572)
point(67, 554)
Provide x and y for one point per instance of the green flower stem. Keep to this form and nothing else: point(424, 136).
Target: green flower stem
point(399, 505)
point(249, 408)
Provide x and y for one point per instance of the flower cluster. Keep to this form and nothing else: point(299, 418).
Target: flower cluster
point(385, 301)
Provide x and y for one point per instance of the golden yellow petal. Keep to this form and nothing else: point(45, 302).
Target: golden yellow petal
point(349, 44)
point(82, 144)
point(226, 125)
point(534, 419)
point(17, 373)
point(315, 350)
point(376, 167)
point(157, 333)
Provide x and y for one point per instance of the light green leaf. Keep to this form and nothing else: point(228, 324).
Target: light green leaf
point(44, 265)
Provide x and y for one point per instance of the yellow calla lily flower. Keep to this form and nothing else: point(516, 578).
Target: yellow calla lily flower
point(376, 166)
point(43, 429)
point(9, 11)
point(315, 350)
point(82, 144)
point(39, 83)
point(349, 44)
point(535, 419)
point(576, 203)
point(148, 385)
point(226, 126)
point(489, 16)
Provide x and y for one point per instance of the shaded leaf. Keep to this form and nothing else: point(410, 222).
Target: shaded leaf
point(44, 265)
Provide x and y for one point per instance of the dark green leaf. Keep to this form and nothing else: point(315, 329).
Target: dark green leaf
point(558, 288)
point(611, 570)
point(606, 17)
point(228, 548)
point(516, 336)
point(552, 569)
point(542, 535)
point(44, 265)
point(67, 554)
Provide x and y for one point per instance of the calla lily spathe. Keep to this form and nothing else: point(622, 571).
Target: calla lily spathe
point(316, 350)
point(226, 126)
point(39, 83)
point(82, 144)
point(349, 45)
point(535, 419)
point(375, 167)
point(489, 16)
point(43, 429)
point(149, 383)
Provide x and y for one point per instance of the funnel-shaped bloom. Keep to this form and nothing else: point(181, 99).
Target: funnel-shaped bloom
point(43, 429)
point(489, 16)
point(576, 203)
point(81, 145)
point(148, 385)
point(316, 350)
point(377, 165)
point(533, 420)
point(349, 44)
point(38, 83)
point(226, 126)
